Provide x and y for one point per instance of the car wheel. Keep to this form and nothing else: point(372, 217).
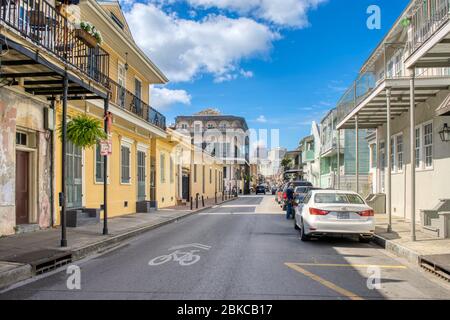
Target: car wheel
point(365, 239)
point(303, 236)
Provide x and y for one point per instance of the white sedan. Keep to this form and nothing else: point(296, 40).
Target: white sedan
point(326, 212)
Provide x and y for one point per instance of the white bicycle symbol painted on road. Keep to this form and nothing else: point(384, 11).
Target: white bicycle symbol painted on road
point(183, 257)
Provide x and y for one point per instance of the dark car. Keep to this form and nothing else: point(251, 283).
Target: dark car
point(260, 189)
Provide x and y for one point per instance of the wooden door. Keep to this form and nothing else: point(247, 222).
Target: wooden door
point(22, 187)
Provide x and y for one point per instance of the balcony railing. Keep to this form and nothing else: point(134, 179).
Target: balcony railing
point(128, 101)
point(427, 17)
point(40, 22)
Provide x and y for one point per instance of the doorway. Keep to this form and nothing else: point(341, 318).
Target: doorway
point(74, 176)
point(141, 178)
point(22, 187)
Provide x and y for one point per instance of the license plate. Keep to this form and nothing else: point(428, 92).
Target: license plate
point(343, 215)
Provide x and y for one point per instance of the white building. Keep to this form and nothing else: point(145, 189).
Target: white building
point(403, 93)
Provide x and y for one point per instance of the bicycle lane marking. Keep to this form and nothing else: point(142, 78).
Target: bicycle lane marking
point(326, 283)
point(183, 257)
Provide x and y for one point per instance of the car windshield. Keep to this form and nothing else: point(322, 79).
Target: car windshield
point(345, 198)
point(301, 190)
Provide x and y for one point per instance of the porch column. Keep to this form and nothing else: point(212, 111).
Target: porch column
point(412, 133)
point(338, 176)
point(357, 152)
point(388, 160)
point(105, 173)
point(62, 195)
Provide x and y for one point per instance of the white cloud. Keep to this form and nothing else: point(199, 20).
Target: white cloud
point(290, 13)
point(163, 97)
point(261, 119)
point(185, 49)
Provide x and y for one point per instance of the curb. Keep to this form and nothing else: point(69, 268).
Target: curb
point(21, 272)
point(397, 249)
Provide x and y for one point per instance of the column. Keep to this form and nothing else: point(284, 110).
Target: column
point(388, 160)
point(357, 152)
point(412, 133)
point(105, 172)
point(338, 176)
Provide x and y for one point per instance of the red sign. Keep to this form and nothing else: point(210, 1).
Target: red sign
point(106, 147)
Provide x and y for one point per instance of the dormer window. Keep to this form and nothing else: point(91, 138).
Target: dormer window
point(117, 21)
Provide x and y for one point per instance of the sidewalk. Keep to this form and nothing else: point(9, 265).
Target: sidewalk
point(23, 256)
point(426, 249)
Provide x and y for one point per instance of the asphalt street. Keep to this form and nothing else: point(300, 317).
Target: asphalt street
point(244, 249)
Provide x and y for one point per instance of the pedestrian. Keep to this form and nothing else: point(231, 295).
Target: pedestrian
point(289, 201)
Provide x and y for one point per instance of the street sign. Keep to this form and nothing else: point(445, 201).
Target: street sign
point(106, 147)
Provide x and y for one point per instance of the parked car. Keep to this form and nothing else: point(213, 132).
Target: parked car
point(260, 189)
point(325, 212)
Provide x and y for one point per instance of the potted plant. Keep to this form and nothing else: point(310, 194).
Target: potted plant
point(84, 131)
point(88, 34)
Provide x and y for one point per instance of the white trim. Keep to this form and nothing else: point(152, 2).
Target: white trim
point(95, 168)
point(143, 147)
point(126, 141)
point(424, 124)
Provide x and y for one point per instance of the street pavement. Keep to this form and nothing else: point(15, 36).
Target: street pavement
point(244, 249)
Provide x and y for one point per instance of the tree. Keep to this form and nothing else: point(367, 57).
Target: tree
point(286, 163)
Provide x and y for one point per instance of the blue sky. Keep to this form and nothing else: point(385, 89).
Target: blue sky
point(250, 59)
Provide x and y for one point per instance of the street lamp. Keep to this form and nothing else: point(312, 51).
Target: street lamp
point(445, 133)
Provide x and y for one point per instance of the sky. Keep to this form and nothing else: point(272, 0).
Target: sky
point(279, 63)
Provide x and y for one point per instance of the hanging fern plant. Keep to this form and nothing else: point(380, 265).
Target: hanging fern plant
point(84, 131)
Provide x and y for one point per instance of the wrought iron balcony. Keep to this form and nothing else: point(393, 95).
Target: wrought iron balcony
point(42, 24)
point(426, 18)
point(126, 100)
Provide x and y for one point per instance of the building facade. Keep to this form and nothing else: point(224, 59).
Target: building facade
point(224, 137)
point(310, 148)
point(402, 93)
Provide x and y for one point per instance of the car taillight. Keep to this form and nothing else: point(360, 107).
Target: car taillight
point(318, 212)
point(367, 213)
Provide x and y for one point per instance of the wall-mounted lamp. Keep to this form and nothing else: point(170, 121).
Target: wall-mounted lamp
point(445, 133)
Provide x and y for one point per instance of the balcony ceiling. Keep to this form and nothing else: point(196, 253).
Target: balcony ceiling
point(372, 110)
point(434, 52)
point(21, 66)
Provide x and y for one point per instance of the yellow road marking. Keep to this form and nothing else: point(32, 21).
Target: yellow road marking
point(350, 265)
point(324, 282)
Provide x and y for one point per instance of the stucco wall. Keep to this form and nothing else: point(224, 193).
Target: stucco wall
point(431, 184)
point(19, 111)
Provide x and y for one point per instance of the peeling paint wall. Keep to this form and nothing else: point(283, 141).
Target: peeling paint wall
point(19, 111)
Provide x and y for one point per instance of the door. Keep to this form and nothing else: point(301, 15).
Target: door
point(152, 179)
point(22, 187)
point(121, 80)
point(141, 177)
point(138, 95)
point(74, 176)
point(186, 192)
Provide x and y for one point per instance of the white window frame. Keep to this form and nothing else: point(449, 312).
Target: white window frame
point(162, 167)
point(397, 168)
point(95, 168)
point(425, 167)
point(419, 164)
point(127, 143)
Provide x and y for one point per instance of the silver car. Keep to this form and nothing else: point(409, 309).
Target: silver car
point(326, 212)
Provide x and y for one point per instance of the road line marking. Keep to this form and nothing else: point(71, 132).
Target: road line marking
point(324, 282)
point(240, 206)
point(350, 265)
